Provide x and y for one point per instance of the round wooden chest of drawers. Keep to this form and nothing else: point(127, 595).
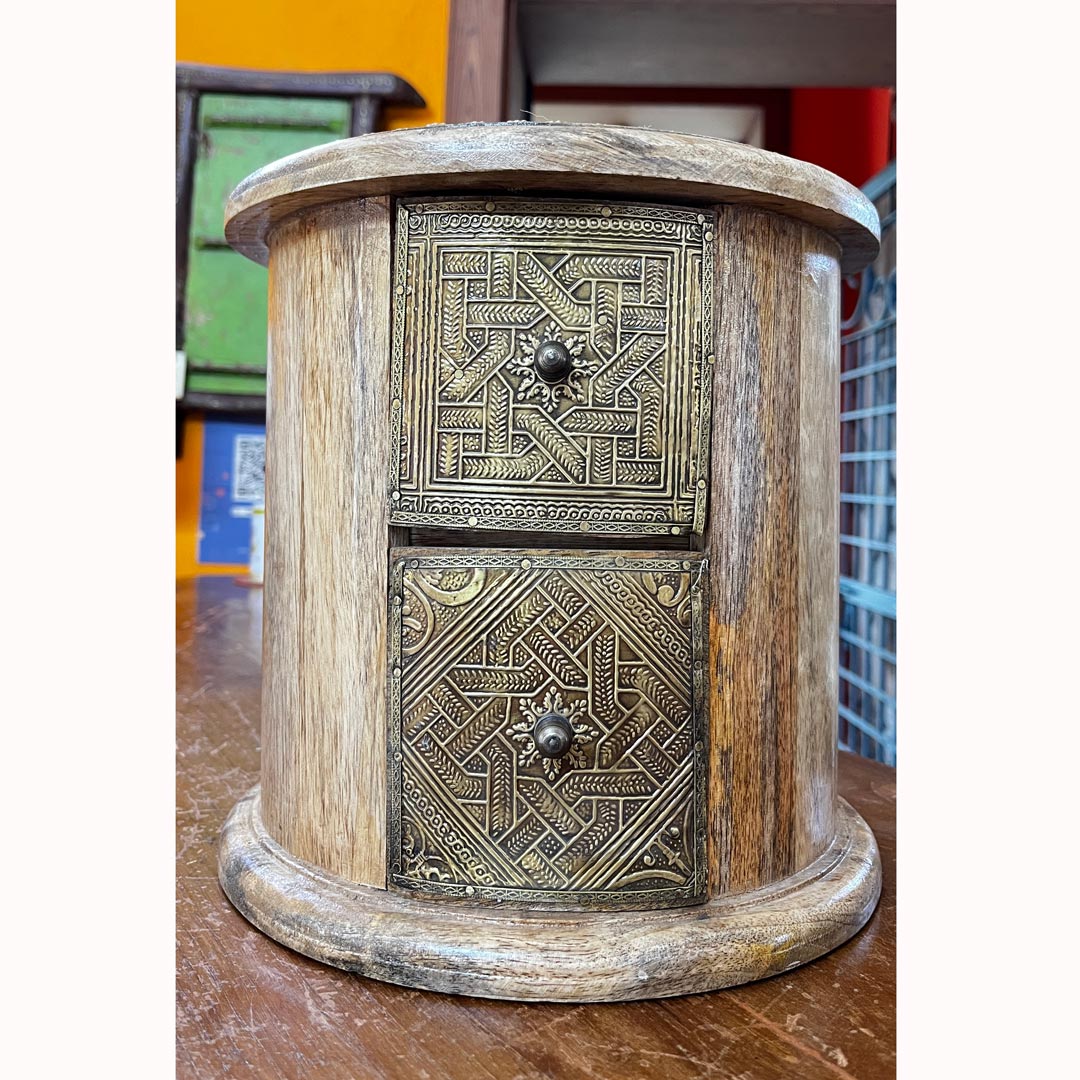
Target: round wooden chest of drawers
point(550, 645)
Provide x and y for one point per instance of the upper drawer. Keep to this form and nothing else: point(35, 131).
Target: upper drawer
point(551, 366)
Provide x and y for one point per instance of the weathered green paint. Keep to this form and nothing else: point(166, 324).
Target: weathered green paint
point(225, 110)
point(225, 311)
point(213, 382)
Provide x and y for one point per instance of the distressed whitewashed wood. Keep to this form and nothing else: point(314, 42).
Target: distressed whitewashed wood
point(819, 546)
point(505, 952)
point(772, 539)
point(521, 157)
point(324, 708)
point(792, 871)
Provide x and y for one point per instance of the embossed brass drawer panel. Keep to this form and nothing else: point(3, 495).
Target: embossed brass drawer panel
point(486, 648)
point(551, 366)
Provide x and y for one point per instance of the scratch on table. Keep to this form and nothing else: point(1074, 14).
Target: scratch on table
point(785, 1033)
point(833, 1053)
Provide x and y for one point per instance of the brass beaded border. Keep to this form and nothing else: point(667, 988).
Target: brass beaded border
point(693, 563)
point(408, 213)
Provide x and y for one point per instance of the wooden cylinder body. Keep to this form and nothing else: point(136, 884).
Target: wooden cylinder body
point(772, 534)
point(324, 640)
point(760, 560)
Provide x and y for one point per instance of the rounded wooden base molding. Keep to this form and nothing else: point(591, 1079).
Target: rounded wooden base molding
point(504, 951)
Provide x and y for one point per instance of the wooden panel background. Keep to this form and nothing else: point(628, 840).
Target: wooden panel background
point(476, 68)
point(324, 704)
point(771, 535)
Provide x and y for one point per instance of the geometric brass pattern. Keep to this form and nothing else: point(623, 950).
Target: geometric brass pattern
point(621, 445)
point(482, 643)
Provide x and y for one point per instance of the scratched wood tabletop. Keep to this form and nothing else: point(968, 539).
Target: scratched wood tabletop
point(248, 1007)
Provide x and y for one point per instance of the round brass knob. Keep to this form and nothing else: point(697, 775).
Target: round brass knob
point(553, 361)
point(553, 735)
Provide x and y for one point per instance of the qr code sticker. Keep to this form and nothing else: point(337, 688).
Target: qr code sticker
point(249, 468)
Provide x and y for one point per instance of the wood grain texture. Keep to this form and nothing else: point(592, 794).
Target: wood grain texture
point(246, 1007)
point(530, 955)
point(324, 713)
point(203, 78)
point(772, 537)
point(317, 879)
point(819, 546)
point(476, 60)
point(632, 163)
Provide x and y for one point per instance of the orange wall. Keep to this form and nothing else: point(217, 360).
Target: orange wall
point(404, 37)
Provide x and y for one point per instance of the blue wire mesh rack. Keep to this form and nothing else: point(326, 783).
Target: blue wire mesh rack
point(867, 717)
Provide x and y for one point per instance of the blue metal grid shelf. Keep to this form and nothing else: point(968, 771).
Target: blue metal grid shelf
point(867, 714)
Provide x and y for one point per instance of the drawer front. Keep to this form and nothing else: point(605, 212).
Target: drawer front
point(551, 366)
point(487, 647)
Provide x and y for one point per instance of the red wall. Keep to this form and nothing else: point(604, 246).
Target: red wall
point(845, 130)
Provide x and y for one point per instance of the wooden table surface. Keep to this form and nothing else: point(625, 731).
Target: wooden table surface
point(248, 1007)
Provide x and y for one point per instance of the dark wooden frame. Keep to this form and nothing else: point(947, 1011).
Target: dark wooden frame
point(488, 78)
point(368, 93)
point(489, 71)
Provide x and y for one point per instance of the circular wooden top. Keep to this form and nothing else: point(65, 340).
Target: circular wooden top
point(580, 159)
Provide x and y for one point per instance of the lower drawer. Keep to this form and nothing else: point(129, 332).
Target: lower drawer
point(547, 726)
